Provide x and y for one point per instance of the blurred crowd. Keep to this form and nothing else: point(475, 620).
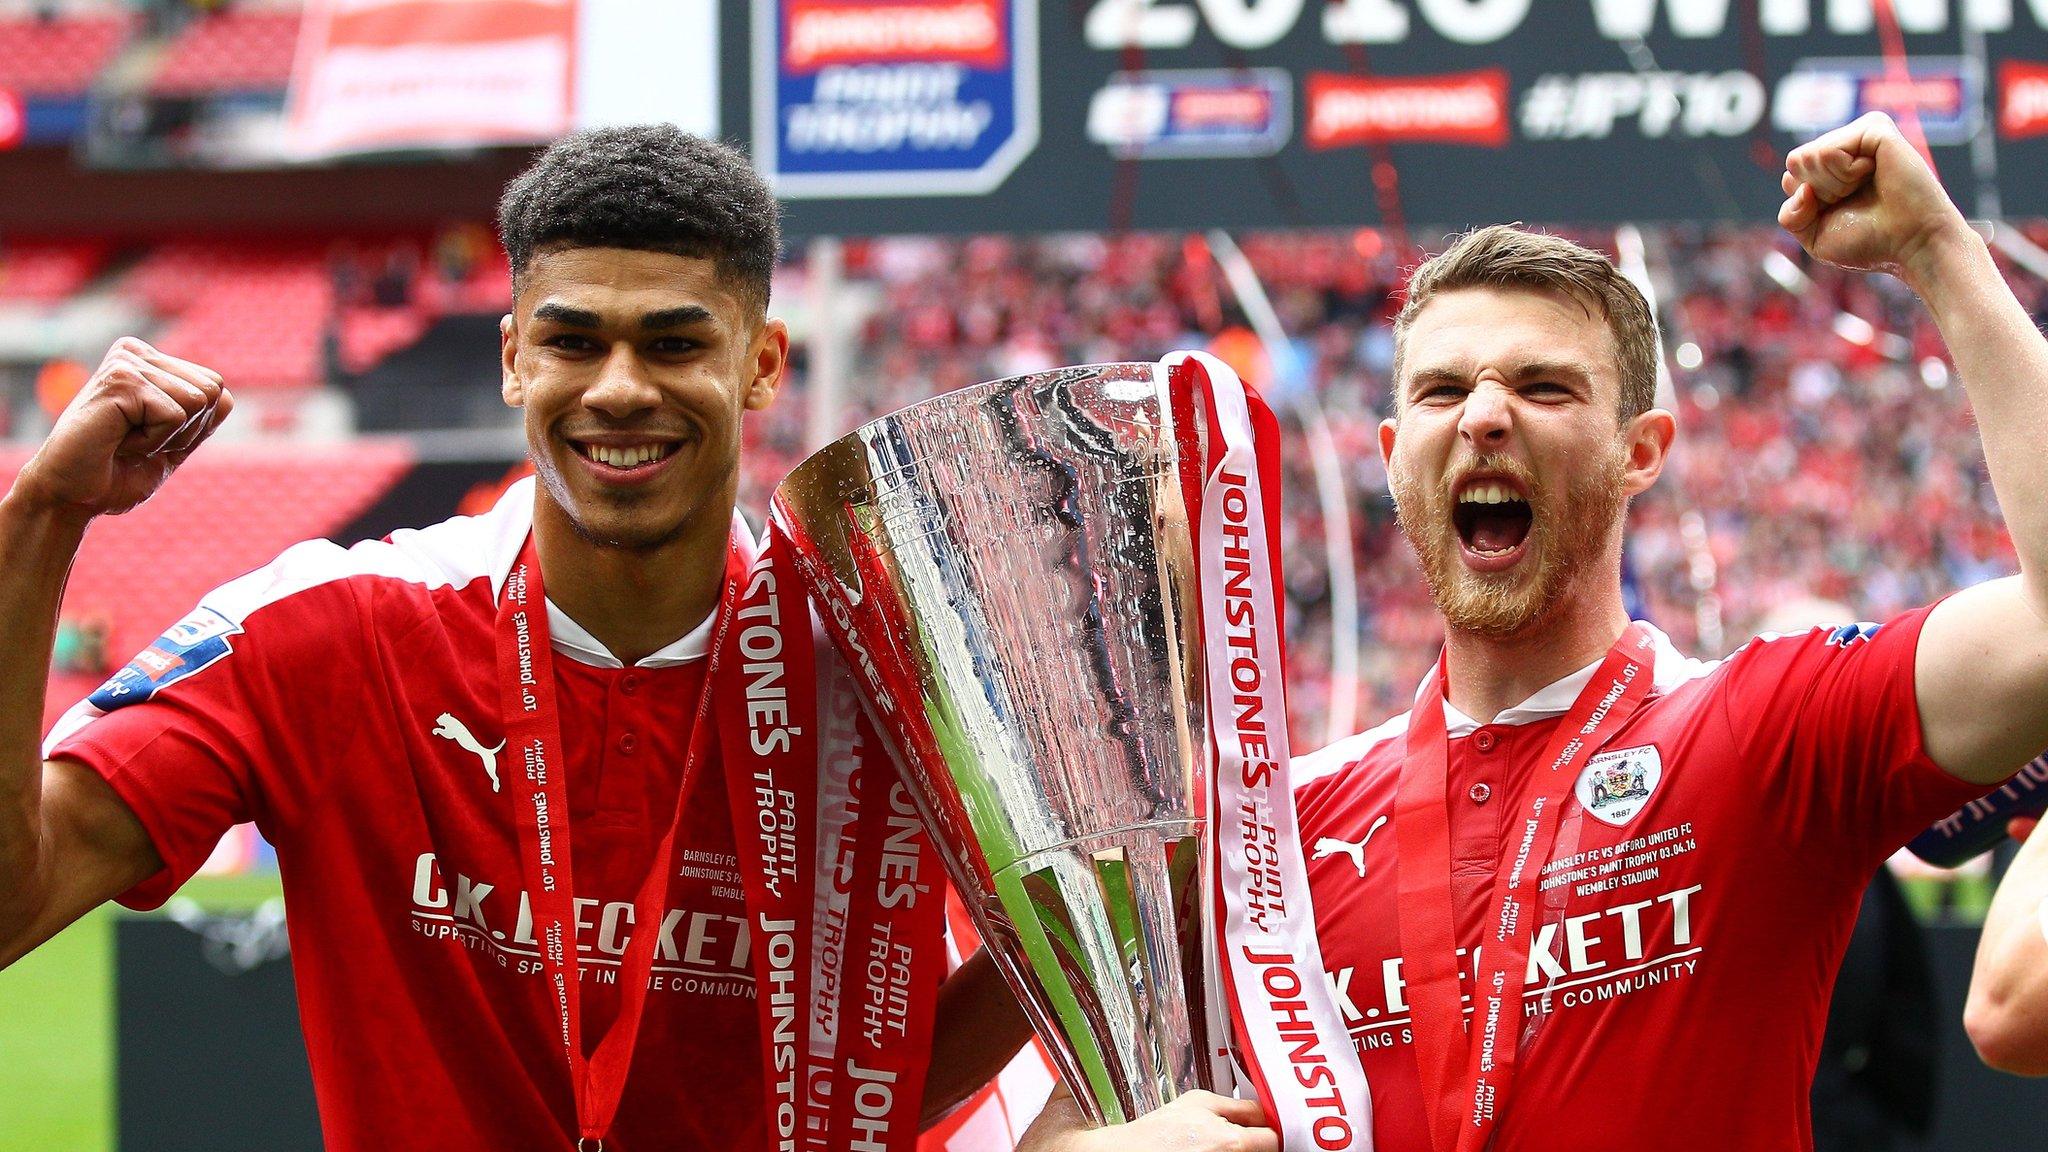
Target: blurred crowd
point(1826, 451)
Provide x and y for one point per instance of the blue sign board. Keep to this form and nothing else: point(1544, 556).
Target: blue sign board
point(894, 97)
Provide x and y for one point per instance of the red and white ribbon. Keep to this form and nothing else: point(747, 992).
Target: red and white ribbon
point(844, 745)
point(1291, 1037)
point(1468, 1074)
point(792, 777)
point(846, 965)
point(768, 735)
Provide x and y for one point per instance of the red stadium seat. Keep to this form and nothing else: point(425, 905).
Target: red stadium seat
point(230, 510)
point(239, 50)
point(47, 272)
point(256, 315)
point(62, 55)
point(368, 335)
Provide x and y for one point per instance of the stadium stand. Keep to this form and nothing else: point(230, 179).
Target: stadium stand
point(230, 510)
point(257, 316)
point(370, 333)
point(47, 272)
point(446, 378)
point(60, 54)
point(239, 49)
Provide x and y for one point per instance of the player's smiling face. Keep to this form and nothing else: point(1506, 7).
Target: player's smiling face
point(1509, 464)
point(634, 369)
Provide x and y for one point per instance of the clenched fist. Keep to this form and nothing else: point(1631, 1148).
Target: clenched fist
point(1861, 198)
point(137, 418)
point(1196, 1122)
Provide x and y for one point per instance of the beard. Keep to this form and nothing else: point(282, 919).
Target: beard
point(1567, 532)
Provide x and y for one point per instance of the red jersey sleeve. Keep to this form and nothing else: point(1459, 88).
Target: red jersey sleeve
point(1828, 723)
point(227, 716)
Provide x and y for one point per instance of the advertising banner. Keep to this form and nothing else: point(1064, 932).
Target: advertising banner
point(431, 73)
point(1438, 113)
point(894, 97)
point(380, 75)
point(1946, 92)
point(1205, 112)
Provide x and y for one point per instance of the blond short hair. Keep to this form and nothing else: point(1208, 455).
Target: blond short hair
point(1504, 256)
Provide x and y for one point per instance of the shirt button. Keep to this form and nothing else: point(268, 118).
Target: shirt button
point(630, 683)
point(628, 742)
point(1480, 793)
point(1483, 740)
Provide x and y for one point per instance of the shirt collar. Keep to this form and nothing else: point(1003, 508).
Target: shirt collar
point(574, 641)
point(513, 521)
point(1556, 698)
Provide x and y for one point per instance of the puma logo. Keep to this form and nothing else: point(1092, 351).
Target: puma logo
point(1330, 846)
point(449, 728)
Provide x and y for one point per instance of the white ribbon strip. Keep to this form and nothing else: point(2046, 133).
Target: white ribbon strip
point(1307, 1073)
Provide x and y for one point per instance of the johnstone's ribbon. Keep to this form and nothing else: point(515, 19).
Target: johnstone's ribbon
point(844, 957)
point(1291, 1039)
point(845, 747)
point(540, 796)
point(1468, 1074)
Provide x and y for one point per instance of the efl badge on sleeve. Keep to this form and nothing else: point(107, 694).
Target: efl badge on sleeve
point(186, 647)
point(1615, 785)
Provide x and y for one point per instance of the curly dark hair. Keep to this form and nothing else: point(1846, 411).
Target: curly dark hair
point(651, 187)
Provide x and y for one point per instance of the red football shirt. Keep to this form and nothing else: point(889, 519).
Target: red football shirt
point(1725, 837)
point(347, 702)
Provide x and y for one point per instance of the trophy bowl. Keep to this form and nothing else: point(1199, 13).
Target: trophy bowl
point(1008, 571)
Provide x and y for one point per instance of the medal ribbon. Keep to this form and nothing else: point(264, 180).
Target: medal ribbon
point(533, 735)
point(1290, 1036)
point(1468, 1084)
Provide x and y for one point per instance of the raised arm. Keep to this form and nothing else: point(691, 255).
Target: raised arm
point(67, 842)
point(1860, 197)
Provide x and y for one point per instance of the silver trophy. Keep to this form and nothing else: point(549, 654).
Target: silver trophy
point(1009, 571)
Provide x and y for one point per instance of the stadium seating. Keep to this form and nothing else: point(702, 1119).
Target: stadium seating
point(60, 55)
point(241, 49)
point(231, 509)
point(257, 315)
point(47, 272)
point(369, 334)
point(261, 311)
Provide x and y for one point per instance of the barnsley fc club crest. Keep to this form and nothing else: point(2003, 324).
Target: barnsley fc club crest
point(1616, 785)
